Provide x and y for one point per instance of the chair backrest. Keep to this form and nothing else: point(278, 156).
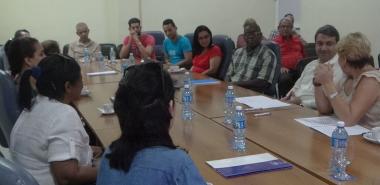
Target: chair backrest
point(227, 46)
point(9, 109)
point(105, 48)
point(273, 91)
point(13, 174)
point(118, 50)
point(159, 36)
point(65, 49)
point(240, 42)
point(190, 36)
point(310, 50)
point(2, 53)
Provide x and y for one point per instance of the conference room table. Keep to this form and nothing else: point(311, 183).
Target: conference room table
point(99, 79)
point(281, 134)
point(208, 138)
point(202, 138)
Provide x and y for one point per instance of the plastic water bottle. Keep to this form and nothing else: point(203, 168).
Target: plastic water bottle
point(132, 59)
point(239, 130)
point(187, 79)
point(86, 56)
point(100, 59)
point(124, 65)
point(112, 56)
point(229, 105)
point(187, 98)
point(339, 161)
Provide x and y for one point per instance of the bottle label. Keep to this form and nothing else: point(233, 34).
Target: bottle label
point(240, 124)
point(338, 143)
point(186, 99)
point(230, 99)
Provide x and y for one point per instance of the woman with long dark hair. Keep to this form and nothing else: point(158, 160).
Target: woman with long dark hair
point(145, 153)
point(206, 55)
point(24, 53)
point(48, 139)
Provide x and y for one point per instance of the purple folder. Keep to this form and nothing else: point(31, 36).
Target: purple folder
point(255, 167)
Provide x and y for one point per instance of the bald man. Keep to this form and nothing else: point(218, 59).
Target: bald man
point(76, 48)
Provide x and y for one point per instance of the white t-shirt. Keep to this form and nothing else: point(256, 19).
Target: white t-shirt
point(304, 88)
point(51, 131)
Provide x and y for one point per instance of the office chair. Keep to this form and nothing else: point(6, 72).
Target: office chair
point(9, 109)
point(65, 49)
point(105, 48)
point(13, 174)
point(227, 46)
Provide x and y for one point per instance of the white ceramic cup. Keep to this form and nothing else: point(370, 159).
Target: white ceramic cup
point(107, 107)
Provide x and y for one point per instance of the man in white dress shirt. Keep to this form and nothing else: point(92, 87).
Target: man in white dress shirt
point(302, 92)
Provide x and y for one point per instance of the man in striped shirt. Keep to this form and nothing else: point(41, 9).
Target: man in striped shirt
point(252, 66)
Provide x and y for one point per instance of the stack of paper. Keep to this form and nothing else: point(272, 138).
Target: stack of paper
point(261, 102)
point(101, 73)
point(327, 124)
point(248, 164)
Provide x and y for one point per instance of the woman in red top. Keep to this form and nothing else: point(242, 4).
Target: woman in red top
point(206, 56)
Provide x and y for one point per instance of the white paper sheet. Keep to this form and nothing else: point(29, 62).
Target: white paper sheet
point(101, 73)
point(261, 102)
point(243, 160)
point(327, 124)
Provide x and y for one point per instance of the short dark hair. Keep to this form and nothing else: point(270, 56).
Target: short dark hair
point(197, 48)
point(53, 72)
point(18, 33)
point(142, 104)
point(288, 14)
point(133, 20)
point(19, 49)
point(169, 21)
point(328, 30)
point(50, 47)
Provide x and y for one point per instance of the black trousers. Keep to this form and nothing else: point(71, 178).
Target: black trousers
point(286, 82)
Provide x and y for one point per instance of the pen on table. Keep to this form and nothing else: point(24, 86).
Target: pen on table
point(262, 114)
point(252, 109)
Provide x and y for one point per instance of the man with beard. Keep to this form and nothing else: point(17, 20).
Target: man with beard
point(141, 45)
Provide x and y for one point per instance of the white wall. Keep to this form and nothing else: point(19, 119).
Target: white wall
point(346, 15)
point(108, 19)
point(56, 19)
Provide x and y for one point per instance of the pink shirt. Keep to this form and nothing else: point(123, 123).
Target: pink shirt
point(146, 40)
point(201, 62)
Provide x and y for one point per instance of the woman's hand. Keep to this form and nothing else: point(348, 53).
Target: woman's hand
point(323, 74)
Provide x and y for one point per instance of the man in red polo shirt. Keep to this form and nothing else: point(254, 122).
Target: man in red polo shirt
point(141, 45)
point(292, 50)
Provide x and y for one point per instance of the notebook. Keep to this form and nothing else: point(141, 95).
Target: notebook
point(243, 165)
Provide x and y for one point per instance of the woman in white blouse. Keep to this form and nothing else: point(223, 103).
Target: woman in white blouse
point(48, 139)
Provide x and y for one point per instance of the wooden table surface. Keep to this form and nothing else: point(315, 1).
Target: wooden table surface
point(99, 79)
point(207, 138)
point(203, 138)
